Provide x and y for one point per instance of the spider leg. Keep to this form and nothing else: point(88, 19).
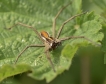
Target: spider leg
point(54, 21)
point(60, 29)
point(19, 23)
point(49, 59)
point(76, 37)
point(47, 47)
point(26, 49)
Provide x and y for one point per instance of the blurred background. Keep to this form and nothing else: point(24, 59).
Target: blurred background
point(88, 65)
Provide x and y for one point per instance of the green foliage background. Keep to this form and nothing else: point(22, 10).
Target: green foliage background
point(83, 60)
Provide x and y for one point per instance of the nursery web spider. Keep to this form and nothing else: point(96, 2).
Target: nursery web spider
point(50, 43)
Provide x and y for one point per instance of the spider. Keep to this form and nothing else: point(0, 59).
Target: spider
point(50, 43)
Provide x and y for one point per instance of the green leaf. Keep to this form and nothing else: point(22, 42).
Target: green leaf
point(10, 80)
point(8, 70)
point(104, 42)
point(102, 5)
point(66, 51)
point(39, 15)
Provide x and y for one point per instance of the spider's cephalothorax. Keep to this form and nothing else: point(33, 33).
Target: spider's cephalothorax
point(52, 42)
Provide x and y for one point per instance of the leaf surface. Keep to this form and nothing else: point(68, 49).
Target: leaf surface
point(39, 15)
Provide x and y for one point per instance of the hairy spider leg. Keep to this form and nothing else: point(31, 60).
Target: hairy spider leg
point(61, 27)
point(34, 29)
point(45, 35)
point(26, 49)
point(54, 20)
point(76, 37)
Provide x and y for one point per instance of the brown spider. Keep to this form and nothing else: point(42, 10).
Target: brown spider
point(50, 43)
